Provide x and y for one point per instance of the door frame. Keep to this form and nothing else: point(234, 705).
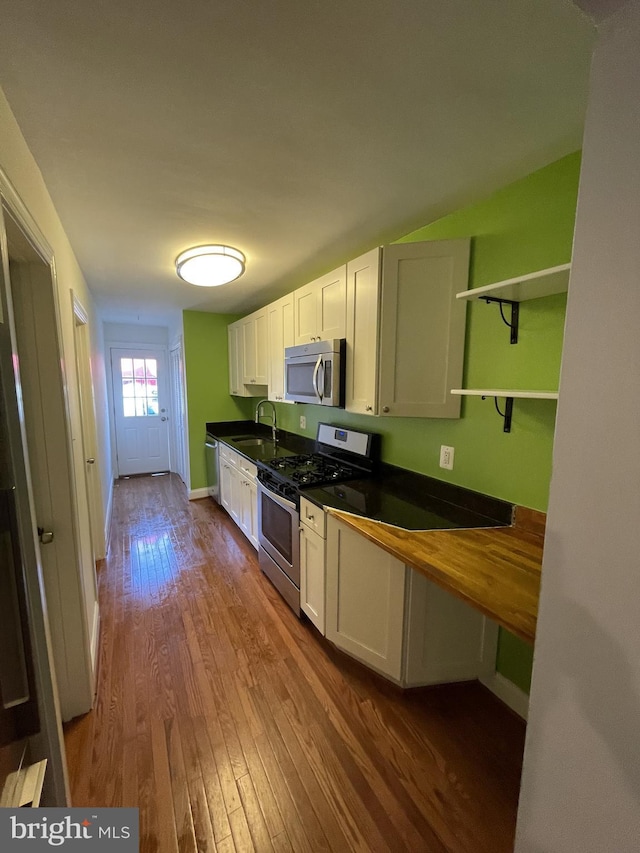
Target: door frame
point(42, 613)
point(109, 347)
point(82, 350)
point(177, 448)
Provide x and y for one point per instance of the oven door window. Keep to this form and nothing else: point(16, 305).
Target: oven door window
point(277, 527)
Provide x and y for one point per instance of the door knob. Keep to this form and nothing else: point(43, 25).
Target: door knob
point(45, 536)
point(90, 460)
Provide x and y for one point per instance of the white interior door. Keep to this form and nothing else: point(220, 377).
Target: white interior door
point(140, 402)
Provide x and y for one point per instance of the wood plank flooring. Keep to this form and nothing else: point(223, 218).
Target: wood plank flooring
point(234, 727)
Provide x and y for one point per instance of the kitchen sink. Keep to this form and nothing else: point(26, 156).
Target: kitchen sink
point(252, 441)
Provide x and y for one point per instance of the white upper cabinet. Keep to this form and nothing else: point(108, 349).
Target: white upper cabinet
point(405, 329)
point(320, 308)
point(422, 328)
point(279, 336)
point(254, 348)
point(363, 302)
point(248, 355)
point(236, 369)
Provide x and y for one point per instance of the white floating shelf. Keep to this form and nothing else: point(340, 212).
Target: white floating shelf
point(531, 286)
point(509, 396)
point(501, 392)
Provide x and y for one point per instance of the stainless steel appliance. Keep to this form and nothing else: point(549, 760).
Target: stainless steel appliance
point(211, 463)
point(341, 454)
point(314, 373)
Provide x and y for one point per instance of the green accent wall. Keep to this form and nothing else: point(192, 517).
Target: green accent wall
point(523, 227)
point(206, 359)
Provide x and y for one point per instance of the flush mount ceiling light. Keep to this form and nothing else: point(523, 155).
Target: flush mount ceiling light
point(210, 266)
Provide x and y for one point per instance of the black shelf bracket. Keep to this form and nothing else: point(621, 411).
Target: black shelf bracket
point(515, 314)
point(508, 411)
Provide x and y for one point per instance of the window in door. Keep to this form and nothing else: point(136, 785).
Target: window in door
point(139, 378)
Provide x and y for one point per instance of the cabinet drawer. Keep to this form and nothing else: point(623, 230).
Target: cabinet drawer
point(229, 455)
point(313, 516)
point(249, 469)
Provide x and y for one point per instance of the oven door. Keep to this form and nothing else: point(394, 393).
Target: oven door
point(278, 535)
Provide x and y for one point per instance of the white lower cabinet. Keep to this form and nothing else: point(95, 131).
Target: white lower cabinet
point(312, 581)
point(249, 509)
point(238, 491)
point(393, 619)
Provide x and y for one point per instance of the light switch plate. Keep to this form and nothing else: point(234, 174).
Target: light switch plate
point(303, 422)
point(446, 457)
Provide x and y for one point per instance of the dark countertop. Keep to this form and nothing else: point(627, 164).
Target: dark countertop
point(288, 443)
point(373, 499)
point(393, 495)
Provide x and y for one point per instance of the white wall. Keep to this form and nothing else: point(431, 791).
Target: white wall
point(21, 169)
point(581, 779)
point(134, 333)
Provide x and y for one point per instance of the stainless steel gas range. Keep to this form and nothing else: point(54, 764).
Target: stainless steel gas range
point(341, 455)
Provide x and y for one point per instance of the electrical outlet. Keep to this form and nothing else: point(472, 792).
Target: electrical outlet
point(303, 422)
point(446, 457)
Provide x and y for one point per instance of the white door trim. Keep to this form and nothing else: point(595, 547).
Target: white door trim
point(178, 449)
point(88, 418)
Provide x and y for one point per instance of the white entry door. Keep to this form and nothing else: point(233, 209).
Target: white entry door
point(141, 413)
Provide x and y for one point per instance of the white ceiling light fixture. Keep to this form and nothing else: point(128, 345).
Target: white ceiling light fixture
point(210, 266)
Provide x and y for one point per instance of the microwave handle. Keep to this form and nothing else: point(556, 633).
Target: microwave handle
point(315, 378)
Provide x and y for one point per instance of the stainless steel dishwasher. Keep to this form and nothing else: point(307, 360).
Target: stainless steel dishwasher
point(211, 461)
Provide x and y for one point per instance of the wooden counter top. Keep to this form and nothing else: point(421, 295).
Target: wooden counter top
point(495, 569)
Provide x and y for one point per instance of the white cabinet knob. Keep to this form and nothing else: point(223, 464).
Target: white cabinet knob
point(369, 408)
point(385, 408)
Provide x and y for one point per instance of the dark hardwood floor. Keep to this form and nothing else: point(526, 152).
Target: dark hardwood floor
point(234, 726)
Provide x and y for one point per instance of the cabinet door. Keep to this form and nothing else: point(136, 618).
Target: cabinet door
point(280, 334)
point(364, 600)
point(225, 485)
point(444, 637)
point(422, 328)
point(305, 314)
point(234, 494)
point(262, 349)
point(252, 526)
point(363, 293)
point(331, 304)
point(236, 377)
point(248, 327)
point(312, 584)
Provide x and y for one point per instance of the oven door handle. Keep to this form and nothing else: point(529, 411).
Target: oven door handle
point(315, 378)
point(277, 498)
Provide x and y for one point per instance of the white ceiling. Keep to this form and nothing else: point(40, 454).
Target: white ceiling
point(300, 131)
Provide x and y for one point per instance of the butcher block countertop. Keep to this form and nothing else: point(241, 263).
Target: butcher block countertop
point(494, 569)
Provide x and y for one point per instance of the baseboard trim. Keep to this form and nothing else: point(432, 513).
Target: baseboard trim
point(198, 494)
point(107, 518)
point(508, 692)
point(95, 641)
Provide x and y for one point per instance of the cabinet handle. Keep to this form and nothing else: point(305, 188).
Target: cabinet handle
point(309, 518)
point(368, 408)
point(385, 408)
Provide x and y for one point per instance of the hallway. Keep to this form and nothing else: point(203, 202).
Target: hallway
point(234, 726)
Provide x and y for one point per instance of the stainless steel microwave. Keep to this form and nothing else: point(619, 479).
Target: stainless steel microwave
point(314, 373)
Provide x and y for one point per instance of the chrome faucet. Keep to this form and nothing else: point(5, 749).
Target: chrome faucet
point(274, 425)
